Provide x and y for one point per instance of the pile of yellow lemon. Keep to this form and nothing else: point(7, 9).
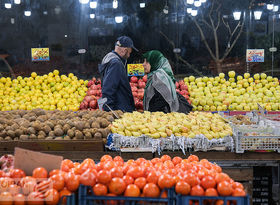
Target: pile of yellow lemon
point(49, 92)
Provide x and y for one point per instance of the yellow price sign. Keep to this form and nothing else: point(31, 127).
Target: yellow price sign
point(135, 70)
point(40, 54)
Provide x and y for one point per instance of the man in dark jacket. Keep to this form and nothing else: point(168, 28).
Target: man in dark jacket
point(115, 83)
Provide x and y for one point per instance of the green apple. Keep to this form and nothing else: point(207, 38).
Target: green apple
point(231, 74)
point(222, 75)
point(268, 107)
point(245, 85)
point(247, 108)
point(213, 108)
point(206, 108)
point(269, 78)
point(191, 78)
point(250, 80)
point(257, 76)
point(239, 77)
point(231, 80)
point(205, 79)
point(263, 76)
point(202, 102)
point(275, 80)
point(274, 106)
point(246, 75)
point(227, 83)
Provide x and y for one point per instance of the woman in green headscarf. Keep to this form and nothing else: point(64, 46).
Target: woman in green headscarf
point(160, 92)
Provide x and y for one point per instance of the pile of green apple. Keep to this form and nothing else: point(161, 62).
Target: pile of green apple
point(159, 124)
point(49, 92)
point(242, 93)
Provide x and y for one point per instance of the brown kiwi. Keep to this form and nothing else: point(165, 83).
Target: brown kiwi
point(8, 138)
point(95, 125)
point(70, 133)
point(47, 129)
point(67, 137)
point(42, 133)
point(66, 127)
point(104, 123)
point(58, 132)
point(11, 134)
point(88, 135)
point(31, 130)
point(24, 137)
point(18, 132)
point(49, 138)
point(97, 135)
point(79, 134)
point(51, 134)
point(41, 137)
point(33, 137)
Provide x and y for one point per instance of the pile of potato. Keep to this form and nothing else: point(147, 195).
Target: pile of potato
point(40, 124)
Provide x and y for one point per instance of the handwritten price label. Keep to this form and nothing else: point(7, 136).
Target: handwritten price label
point(135, 70)
point(255, 55)
point(40, 54)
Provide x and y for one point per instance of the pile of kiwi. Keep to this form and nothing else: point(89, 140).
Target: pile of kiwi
point(40, 124)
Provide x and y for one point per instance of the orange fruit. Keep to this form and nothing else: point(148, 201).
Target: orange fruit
point(182, 187)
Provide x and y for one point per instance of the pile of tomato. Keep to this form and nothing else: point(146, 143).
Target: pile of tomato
point(114, 177)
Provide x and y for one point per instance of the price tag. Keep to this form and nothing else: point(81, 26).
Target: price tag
point(135, 70)
point(40, 54)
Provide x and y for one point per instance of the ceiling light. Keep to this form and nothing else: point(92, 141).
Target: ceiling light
point(237, 15)
point(92, 16)
point(27, 13)
point(194, 13)
point(17, 1)
point(84, 1)
point(142, 5)
point(93, 4)
point(197, 3)
point(8, 5)
point(275, 8)
point(269, 6)
point(189, 10)
point(115, 4)
point(119, 19)
point(190, 1)
point(257, 15)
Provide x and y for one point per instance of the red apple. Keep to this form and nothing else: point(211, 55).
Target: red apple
point(134, 94)
point(88, 99)
point(184, 92)
point(93, 87)
point(141, 90)
point(99, 87)
point(177, 85)
point(90, 83)
point(93, 104)
point(133, 89)
point(140, 95)
point(177, 90)
point(145, 78)
point(184, 87)
point(133, 79)
point(94, 79)
point(141, 84)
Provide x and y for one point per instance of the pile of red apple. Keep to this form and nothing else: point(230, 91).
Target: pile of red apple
point(182, 88)
point(137, 88)
point(93, 94)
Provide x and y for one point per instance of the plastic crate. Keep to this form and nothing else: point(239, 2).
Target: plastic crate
point(71, 200)
point(186, 200)
point(245, 141)
point(86, 197)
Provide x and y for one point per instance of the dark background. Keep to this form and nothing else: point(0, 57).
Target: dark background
point(64, 26)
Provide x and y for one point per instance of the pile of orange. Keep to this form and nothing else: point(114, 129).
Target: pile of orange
point(114, 177)
point(40, 188)
point(151, 178)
